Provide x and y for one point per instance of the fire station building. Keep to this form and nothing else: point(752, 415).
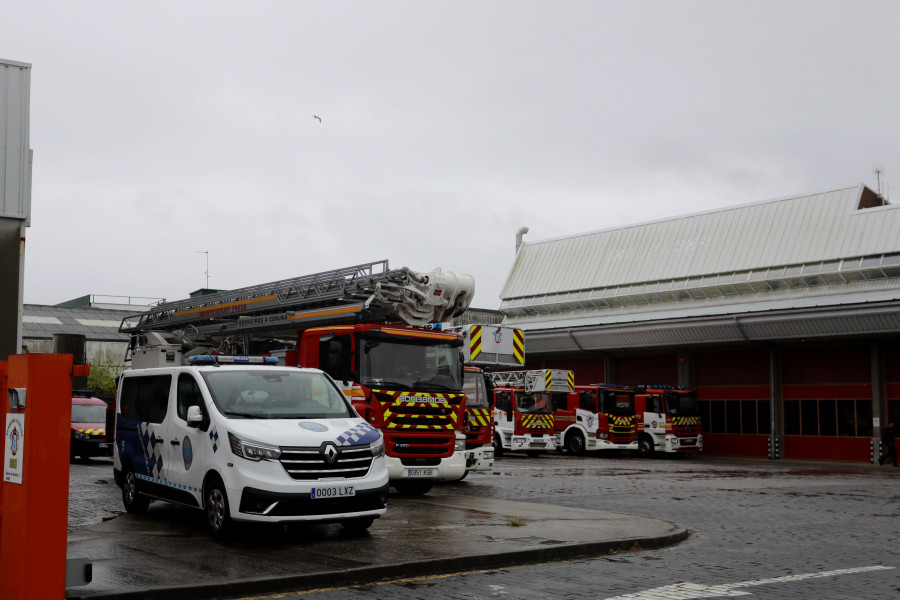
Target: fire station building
point(784, 315)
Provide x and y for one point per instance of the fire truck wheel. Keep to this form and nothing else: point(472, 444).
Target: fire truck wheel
point(645, 446)
point(407, 487)
point(498, 447)
point(575, 443)
point(132, 499)
point(357, 525)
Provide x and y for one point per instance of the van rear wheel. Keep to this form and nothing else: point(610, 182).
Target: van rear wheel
point(134, 501)
point(218, 518)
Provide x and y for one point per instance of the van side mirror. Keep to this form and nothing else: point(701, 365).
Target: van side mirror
point(194, 416)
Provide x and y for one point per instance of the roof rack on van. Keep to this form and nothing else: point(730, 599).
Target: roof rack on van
point(223, 359)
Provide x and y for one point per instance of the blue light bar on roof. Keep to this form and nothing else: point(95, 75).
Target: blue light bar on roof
point(222, 359)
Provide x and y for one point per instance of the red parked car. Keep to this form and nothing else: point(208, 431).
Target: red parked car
point(89, 427)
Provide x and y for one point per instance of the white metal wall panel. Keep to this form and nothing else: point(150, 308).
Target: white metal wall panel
point(15, 155)
point(809, 324)
point(802, 229)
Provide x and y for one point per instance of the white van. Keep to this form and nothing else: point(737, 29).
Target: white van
point(247, 442)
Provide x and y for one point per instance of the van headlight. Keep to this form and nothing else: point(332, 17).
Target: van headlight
point(377, 448)
point(251, 450)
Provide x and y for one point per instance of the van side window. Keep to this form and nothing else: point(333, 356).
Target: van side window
point(146, 398)
point(188, 395)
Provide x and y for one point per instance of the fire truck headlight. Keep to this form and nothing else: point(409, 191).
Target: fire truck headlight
point(602, 435)
point(81, 435)
point(674, 441)
point(460, 444)
point(251, 450)
point(377, 448)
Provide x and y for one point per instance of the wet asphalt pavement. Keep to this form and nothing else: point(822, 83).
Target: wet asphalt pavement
point(528, 512)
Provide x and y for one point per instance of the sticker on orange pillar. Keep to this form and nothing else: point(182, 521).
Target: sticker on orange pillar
point(13, 456)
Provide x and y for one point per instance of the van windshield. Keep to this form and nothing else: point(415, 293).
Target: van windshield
point(275, 394)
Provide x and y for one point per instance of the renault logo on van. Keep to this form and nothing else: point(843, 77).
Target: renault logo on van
point(329, 452)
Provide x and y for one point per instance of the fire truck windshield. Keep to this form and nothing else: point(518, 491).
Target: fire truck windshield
point(475, 390)
point(682, 405)
point(417, 364)
point(534, 402)
point(618, 404)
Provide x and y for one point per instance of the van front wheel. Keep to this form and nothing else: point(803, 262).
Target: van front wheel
point(216, 506)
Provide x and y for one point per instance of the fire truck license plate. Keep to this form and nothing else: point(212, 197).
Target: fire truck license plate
point(420, 472)
point(332, 491)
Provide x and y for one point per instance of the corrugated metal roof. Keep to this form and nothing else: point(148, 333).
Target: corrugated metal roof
point(96, 324)
point(817, 227)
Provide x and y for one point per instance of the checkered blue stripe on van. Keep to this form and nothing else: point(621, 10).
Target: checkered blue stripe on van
point(151, 449)
point(214, 439)
point(361, 434)
point(176, 486)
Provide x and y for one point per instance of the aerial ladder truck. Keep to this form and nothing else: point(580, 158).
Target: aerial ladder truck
point(365, 326)
point(486, 348)
point(523, 409)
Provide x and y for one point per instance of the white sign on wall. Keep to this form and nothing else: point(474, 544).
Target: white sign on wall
point(14, 454)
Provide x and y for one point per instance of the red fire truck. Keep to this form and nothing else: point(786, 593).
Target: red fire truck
point(668, 420)
point(363, 325)
point(599, 416)
point(485, 348)
point(523, 409)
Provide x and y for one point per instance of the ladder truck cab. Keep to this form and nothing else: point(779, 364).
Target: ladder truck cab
point(485, 348)
point(599, 416)
point(668, 420)
point(523, 409)
point(368, 327)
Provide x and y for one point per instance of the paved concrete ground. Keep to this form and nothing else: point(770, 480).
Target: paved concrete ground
point(772, 529)
point(168, 554)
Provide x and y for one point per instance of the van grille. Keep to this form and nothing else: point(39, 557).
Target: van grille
point(309, 464)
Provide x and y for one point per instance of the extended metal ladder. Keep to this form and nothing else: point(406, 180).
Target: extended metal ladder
point(360, 283)
point(537, 380)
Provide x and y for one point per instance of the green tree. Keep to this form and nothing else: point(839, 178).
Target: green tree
point(102, 379)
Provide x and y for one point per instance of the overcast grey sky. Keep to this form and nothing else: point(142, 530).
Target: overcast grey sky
point(164, 129)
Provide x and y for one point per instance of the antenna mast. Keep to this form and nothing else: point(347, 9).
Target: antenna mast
point(206, 252)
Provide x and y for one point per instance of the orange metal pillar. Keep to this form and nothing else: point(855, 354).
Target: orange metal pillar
point(3, 408)
point(36, 484)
